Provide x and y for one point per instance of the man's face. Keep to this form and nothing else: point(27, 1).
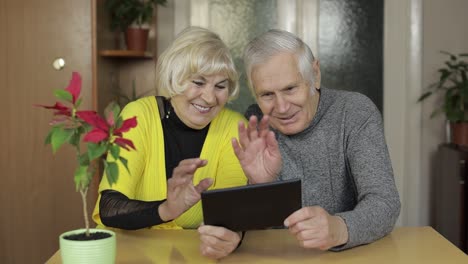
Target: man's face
point(283, 94)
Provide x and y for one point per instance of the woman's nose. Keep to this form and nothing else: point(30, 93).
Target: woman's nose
point(208, 95)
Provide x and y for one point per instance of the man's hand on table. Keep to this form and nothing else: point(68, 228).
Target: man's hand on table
point(314, 227)
point(217, 242)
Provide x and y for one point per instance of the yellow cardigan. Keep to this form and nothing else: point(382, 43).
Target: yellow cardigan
point(147, 178)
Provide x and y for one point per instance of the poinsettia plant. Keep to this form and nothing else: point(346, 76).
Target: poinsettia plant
point(103, 136)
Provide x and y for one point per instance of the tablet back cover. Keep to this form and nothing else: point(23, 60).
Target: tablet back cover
point(252, 207)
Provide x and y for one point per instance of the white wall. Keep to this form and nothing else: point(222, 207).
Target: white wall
point(445, 27)
point(415, 32)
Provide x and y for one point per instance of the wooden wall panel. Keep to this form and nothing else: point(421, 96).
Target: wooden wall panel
point(38, 199)
point(4, 206)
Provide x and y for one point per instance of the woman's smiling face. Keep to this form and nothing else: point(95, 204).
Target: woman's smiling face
point(202, 100)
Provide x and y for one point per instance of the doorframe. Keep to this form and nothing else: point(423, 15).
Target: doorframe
point(402, 113)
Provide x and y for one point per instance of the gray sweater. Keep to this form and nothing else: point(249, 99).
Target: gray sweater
point(343, 162)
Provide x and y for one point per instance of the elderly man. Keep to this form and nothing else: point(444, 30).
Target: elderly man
point(330, 139)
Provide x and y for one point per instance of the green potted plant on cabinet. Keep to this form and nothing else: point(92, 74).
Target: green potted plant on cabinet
point(103, 137)
point(453, 84)
point(132, 18)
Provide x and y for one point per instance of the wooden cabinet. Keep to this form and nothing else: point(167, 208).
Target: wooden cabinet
point(450, 195)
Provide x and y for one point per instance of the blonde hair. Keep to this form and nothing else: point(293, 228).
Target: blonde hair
point(195, 51)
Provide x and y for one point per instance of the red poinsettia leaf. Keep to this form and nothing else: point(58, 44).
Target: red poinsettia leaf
point(126, 125)
point(93, 119)
point(124, 143)
point(96, 135)
point(61, 109)
point(74, 87)
point(66, 112)
point(56, 106)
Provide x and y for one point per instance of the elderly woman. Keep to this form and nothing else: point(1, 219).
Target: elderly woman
point(183, 140)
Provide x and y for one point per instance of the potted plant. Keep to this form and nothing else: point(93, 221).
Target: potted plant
point(132, 18)
point(453, 83)
point(103, 136)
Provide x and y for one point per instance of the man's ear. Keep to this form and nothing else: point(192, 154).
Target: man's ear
point(316, 70)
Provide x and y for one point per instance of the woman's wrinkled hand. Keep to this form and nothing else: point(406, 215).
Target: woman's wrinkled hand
point(181, 192)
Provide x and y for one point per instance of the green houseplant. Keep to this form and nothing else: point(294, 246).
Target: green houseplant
point(130, 17)
point(453, 84)
point(103, 137)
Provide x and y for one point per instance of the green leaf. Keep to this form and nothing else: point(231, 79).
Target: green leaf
point(119, 122)
point(463, 75)
point(444, 75)
point(112, 172)
point(84, 159)
point(451, 66)
point(48, 137)
point(112, 109)
point(125, 163)
point(59, 136)
point(75, 137)
point(424, 96)
point(81, 177)
point(78, 102)
point(96, 150)
point(85, 127)
point(63, 95)
point(115, 151)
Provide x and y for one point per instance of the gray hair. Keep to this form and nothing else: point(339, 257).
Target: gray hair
point(275, 41)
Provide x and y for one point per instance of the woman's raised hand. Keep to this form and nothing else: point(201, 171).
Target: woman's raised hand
point(181, 192)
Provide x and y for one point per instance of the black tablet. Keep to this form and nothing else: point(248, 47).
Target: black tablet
point(250, 207)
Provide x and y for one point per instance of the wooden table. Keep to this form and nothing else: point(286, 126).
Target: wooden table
point(403, 245)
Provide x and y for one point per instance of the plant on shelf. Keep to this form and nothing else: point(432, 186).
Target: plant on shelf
point(130, 17)
point(453, 84)
point(123, 99)
point(103, 137)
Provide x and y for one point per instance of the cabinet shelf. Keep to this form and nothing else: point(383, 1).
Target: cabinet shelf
point(135, 54)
